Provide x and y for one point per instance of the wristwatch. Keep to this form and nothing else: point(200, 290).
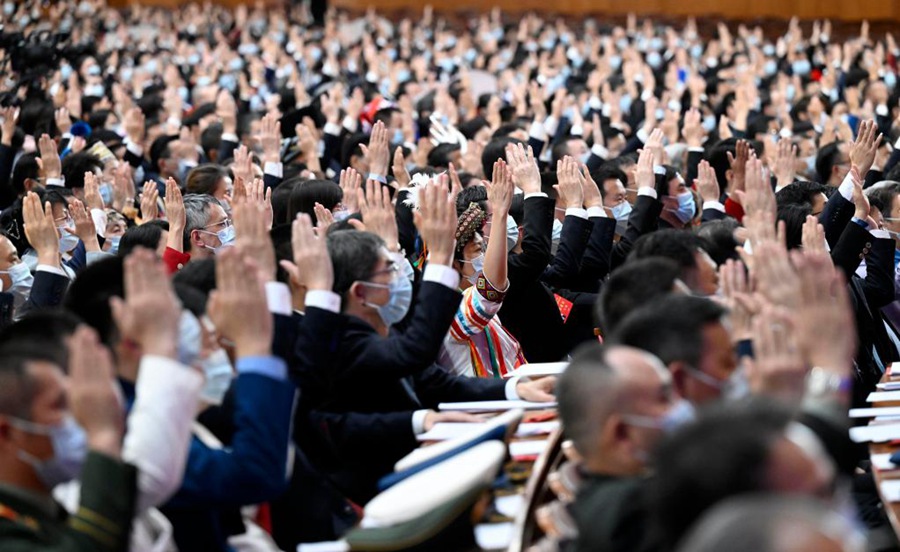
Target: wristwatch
point(822, 382)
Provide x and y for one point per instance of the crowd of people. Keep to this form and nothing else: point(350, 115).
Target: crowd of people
point(245, 255)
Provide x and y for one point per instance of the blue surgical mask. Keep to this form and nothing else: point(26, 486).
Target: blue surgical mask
point(69, 450)
point(106, 193)
point(654, 60)
point(686, 207)
point(890, 79)
point(93, 70)
point(810, 164)
point(204, 81)
point(680, 414)
point(113, 244)
point(190, 336)
point(398, 137)
point(696, 51)
point(67, 241)
point(556, 233)
point(621, 211)
point(65, 71)
point(771, 67)
point(625, 103)
point(341, 214)
point(615, 62)
point(219, 374)
point(584, 157)
point(228, 82)
point(400, 292)
point(801, 67)
point(94, 90)
point(236, 64)
point(226, 238)
point(512, 233)
point(736, 387)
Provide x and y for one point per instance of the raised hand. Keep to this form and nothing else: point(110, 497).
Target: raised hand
point(270, 138)
point(738, 295)
point(592, 197)
point(436, 221)
point(377, 153)
point(777, 368)
point(707, 183)
point(134, 125)
point(378, 213)
point(148, 315)
point(758, 196)
point(351, 184)
point(10, 118)
point(123, 187)
point(84, 226)
point(251, 230)
point(785, 161)
point(500, 190)
point(813, 236)
point(243, 164)
point(324, 216)
point(238, 305)
point(571, 183)
point(776, 278)
point(48, 162)
point(401, 174)
point(643, 171)
point(40, 229)
point(692, 130)
point(176, 216)
point(149, 197)
point(655, 145)
point(738, 163)
point(860, 201)
point(226, 111)
point(311, 253)
point(862, 151)
point(92, 197)
point(525, 172)
point(93, 394)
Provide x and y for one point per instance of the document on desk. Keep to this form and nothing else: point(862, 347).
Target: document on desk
point(538, 369)
point(880, 396)
point(882, 462)
point(491, 406)
point(872, 412)
point(445, 431)
point(518, 449)
point(875, 433)
point(890, 490)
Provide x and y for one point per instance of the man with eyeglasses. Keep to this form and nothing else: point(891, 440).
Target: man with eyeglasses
point(207, 227)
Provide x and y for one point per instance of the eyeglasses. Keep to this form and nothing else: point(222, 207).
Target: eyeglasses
point(225, 222)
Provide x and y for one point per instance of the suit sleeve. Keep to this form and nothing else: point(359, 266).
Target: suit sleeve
point(406, 228)
point(436, 385)
point(7, 193)
point(46, 291)
point(256, 466)
point(565, 266)
point(644, 218)
point(103, 519)
point(529, 265)
point(596, 262)
point(837, 213)
point(850, 249)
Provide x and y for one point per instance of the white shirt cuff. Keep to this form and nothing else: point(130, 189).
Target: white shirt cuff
point(349, 124)
point(642, 135)
point(51, 269)
point(600, 151)
point(323, 299)
point(229, 137)
point(278, 297)
point(61, 181)
point(695, 150)
point(713, 204)
point(593, 212)
point(880, 234)
point(418, 421)
point(647, 191)
point(441, 274)
point(550, 125)
point(511, 393)
point(332, 129)
point(100, 220)
point(134, 148)
point(274, 169)
point(535, 194)
point(846, 188)
point(577, 212)
point(537, 132)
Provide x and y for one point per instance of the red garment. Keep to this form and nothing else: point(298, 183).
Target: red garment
point(734, 209)
point(175, 260)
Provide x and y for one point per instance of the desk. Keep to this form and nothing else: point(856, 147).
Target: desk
point(892, 509)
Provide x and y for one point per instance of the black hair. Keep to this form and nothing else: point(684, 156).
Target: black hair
point(75, 165)
point(281, 200)
point(472, 194)
point(826, 160)
point(794, 217)
point(40, 334)
point(723, 454)
point(606, 172)
point(199, 274)
point(305, 195)
point(17, 387)
point(205, 179)
point(883, 196)
point(26, 168)
point(670, 328)
point(718, 237)
point(351, 148)
point(146, 235)
point(495, 149)
point(89, 294)
point(631, 286)
point(354, 256)
point(440, 156)
point(800, 192)
point(678, 245)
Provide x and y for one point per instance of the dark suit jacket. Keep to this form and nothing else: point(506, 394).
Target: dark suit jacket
point(644, 218)
point(565, 267)
point(712, 214)
point(47, 291)
point(835, 216)
point(595, 264)
point(529, 310)
point(611, 514)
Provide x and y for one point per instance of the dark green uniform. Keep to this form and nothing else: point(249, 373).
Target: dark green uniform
point(30, 522)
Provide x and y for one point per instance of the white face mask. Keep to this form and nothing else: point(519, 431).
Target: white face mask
point(477, 265)
point(219, 373)
point(512, 233)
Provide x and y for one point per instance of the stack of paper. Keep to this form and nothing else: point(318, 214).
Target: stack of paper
point(444, 431)
point(538, 369)
point(519, 449)
point(890, 490)
point(875, 433)
point(883, 396)
point(882, 462)
point(492, 406)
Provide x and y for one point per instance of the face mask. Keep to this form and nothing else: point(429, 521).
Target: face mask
point(93, 70)
point(686, 207)
point(621, 211)
point(204, 81)
point(69, 450)
point(67, 241)
point(771, 67)
point(735, 387)
point(236, 64)
point(114, 244)
point(801, 67)
point(512, 233)
point(654, 60)
point(810, 164)
point(403, 75)
point(106, 194)
point(228, 82)
point(190, 336)
point(615, 62)
point(9, 8)
point(400, 290)
point(477, 265)
point(398, 137)
point(21, 277)
point(218, 372)
point(680, 414)
point(94, 90)
point(696, 51)
point(557, 231)
point(584, 157)
point(341, 215)
point(890, 79)
point(625, 103)
point(226, 237)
